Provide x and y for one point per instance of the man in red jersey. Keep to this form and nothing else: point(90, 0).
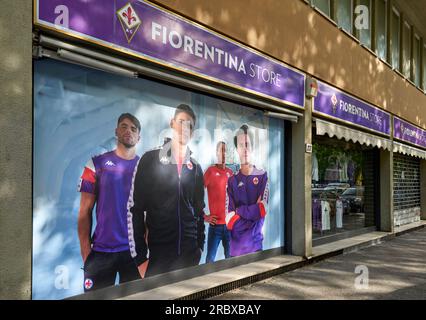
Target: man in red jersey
point(215, 180)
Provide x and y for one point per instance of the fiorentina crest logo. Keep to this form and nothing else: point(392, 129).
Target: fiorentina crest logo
point(129, 21)
point(334, 102)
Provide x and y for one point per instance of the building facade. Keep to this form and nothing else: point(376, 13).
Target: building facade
point(334, 92)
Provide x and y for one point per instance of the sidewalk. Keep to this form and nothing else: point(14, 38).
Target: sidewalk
point(219, 282)
point(396, 270)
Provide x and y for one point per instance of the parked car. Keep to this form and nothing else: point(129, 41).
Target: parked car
point(338, 188)
point(353, 199)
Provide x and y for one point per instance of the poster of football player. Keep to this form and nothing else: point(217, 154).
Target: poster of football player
point(76, 113)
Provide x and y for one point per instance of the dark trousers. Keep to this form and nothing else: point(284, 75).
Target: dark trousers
point(217, 233)
point(101, 268)
point(165, 259)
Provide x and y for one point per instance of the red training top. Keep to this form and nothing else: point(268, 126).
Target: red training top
point(215, 180)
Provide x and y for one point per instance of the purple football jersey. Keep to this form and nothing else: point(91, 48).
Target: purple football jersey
point(109, 177)
point(247, 198)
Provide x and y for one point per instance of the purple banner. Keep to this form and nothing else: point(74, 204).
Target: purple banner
point(147, 31)
point(407, 132)
point(341, 106)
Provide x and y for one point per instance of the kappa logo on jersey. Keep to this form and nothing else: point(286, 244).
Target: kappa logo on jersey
point(88, 284)
point(217, 174)
point(240, 184)
point(129, 20)
point(189, 165)
point(165, 160)
point(255, 180)
point(110, 163)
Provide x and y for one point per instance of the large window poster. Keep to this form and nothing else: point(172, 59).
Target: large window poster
point(111, 146)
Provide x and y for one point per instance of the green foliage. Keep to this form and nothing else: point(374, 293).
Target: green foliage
point(327, 156)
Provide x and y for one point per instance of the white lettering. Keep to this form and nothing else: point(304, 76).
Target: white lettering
point(189, 43)
point(155, 30)
point(361, 282)
point(258, 71)
point(176, 310)
point(63, 17)
point(219, 55)
point(175, 34)
point(198, 48)
point(412, 133)
point(209, 52)
point(252, 72)
point(265, 75)
point(278, 83)
point(268, 75)
point(239, 309)
point(362, 20)
point(164, 35)
point(242, 67)
point(233, 62)
point(62, 280)
point(257, 307)
point(350, 108)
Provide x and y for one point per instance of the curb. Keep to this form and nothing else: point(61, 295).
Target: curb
point(215, 291)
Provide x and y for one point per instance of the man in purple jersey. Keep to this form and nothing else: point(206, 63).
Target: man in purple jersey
point(247, 199)
point(106, 181)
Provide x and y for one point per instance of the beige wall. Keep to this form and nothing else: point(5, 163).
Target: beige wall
point(291, 31)
point(15, 150)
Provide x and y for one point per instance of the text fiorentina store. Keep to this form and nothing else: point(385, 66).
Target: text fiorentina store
point(97, 60)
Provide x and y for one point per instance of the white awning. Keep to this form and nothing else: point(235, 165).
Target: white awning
point(342, 132)
point(411, 151)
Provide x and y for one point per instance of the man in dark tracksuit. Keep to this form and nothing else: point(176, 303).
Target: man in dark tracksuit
point(165, 216)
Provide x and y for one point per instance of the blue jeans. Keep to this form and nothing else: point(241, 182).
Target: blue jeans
point(217, 233)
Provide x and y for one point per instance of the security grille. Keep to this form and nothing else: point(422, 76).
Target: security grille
point(406, 189)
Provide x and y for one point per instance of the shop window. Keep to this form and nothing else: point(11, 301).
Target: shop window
point(76, 111)
point(381, 25)
point(344, 14)
point(395, 38)
point(406, 50)
point(323, 6)
point(343, 187)
point(364, 27)
point(416, 60)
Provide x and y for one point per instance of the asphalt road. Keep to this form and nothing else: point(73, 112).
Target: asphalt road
point(394, 269)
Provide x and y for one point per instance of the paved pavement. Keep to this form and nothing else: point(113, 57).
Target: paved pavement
point(396, 269)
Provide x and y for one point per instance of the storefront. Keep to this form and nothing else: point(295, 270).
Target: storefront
point(409, 151)
point(347, 137)
point(96, 61)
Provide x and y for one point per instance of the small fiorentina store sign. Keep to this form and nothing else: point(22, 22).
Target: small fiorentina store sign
point(335, 104)
point(404, 131)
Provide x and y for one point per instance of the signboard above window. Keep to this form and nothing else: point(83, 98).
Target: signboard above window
point(335, 104)
point(149, 32)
